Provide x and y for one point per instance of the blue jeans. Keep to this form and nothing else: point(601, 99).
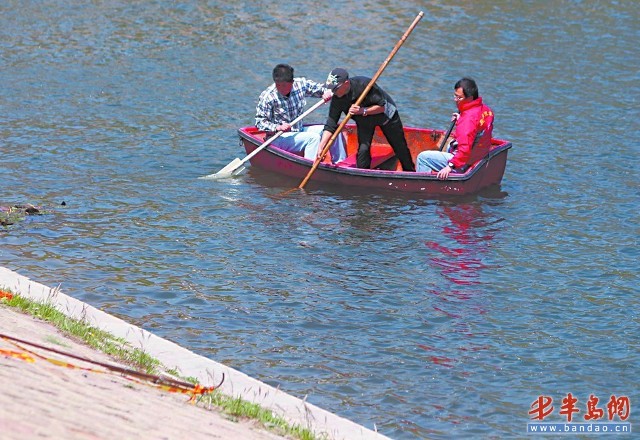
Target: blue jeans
point(308, 141)
point(432, 160)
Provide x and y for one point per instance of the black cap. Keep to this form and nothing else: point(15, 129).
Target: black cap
point(336, 78)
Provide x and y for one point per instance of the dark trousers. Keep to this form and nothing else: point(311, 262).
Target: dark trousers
point(392, 130)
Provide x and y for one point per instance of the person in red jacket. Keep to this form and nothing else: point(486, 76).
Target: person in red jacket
point(472, 136)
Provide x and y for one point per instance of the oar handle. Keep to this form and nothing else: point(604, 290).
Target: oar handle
point(446, 136)
point(363, 95)
point(277, 135)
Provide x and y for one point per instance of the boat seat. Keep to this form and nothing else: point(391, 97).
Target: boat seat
point(380, 153)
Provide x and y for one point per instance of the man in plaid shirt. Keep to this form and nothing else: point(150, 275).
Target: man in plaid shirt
point(282, 102)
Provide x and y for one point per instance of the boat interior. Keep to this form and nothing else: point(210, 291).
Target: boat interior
point(382, 155)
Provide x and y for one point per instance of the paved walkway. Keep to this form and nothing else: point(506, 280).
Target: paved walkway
point(40, 399)
point(43, 400)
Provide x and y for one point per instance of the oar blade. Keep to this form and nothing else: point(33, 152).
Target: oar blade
point(238, 171)
point(233, 168)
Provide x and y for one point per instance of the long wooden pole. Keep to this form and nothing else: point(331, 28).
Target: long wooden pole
point(359, 101)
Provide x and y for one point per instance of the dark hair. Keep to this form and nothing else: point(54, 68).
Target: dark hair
point(283, 73)
point(469, 87)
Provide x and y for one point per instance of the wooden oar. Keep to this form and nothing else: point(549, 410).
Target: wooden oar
point(446, 136)
point(236, 165)
point(359, 101)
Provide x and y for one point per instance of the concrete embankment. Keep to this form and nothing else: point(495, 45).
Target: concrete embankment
point(41, 399)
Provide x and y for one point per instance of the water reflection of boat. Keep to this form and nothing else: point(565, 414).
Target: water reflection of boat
point(469, 233)
point(385, 174)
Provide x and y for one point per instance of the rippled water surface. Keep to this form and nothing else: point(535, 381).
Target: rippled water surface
point(426, 318)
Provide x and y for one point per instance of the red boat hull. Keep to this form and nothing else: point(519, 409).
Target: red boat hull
point(486, 172)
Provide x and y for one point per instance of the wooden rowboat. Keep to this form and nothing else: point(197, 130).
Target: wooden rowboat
point(386, 173)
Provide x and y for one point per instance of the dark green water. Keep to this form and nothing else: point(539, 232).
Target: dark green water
point(425, 318)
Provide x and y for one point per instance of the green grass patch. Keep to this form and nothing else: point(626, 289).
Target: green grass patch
point(239, 408)
point(93, 337)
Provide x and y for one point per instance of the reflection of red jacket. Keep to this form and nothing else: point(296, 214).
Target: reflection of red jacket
point(474, 129)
